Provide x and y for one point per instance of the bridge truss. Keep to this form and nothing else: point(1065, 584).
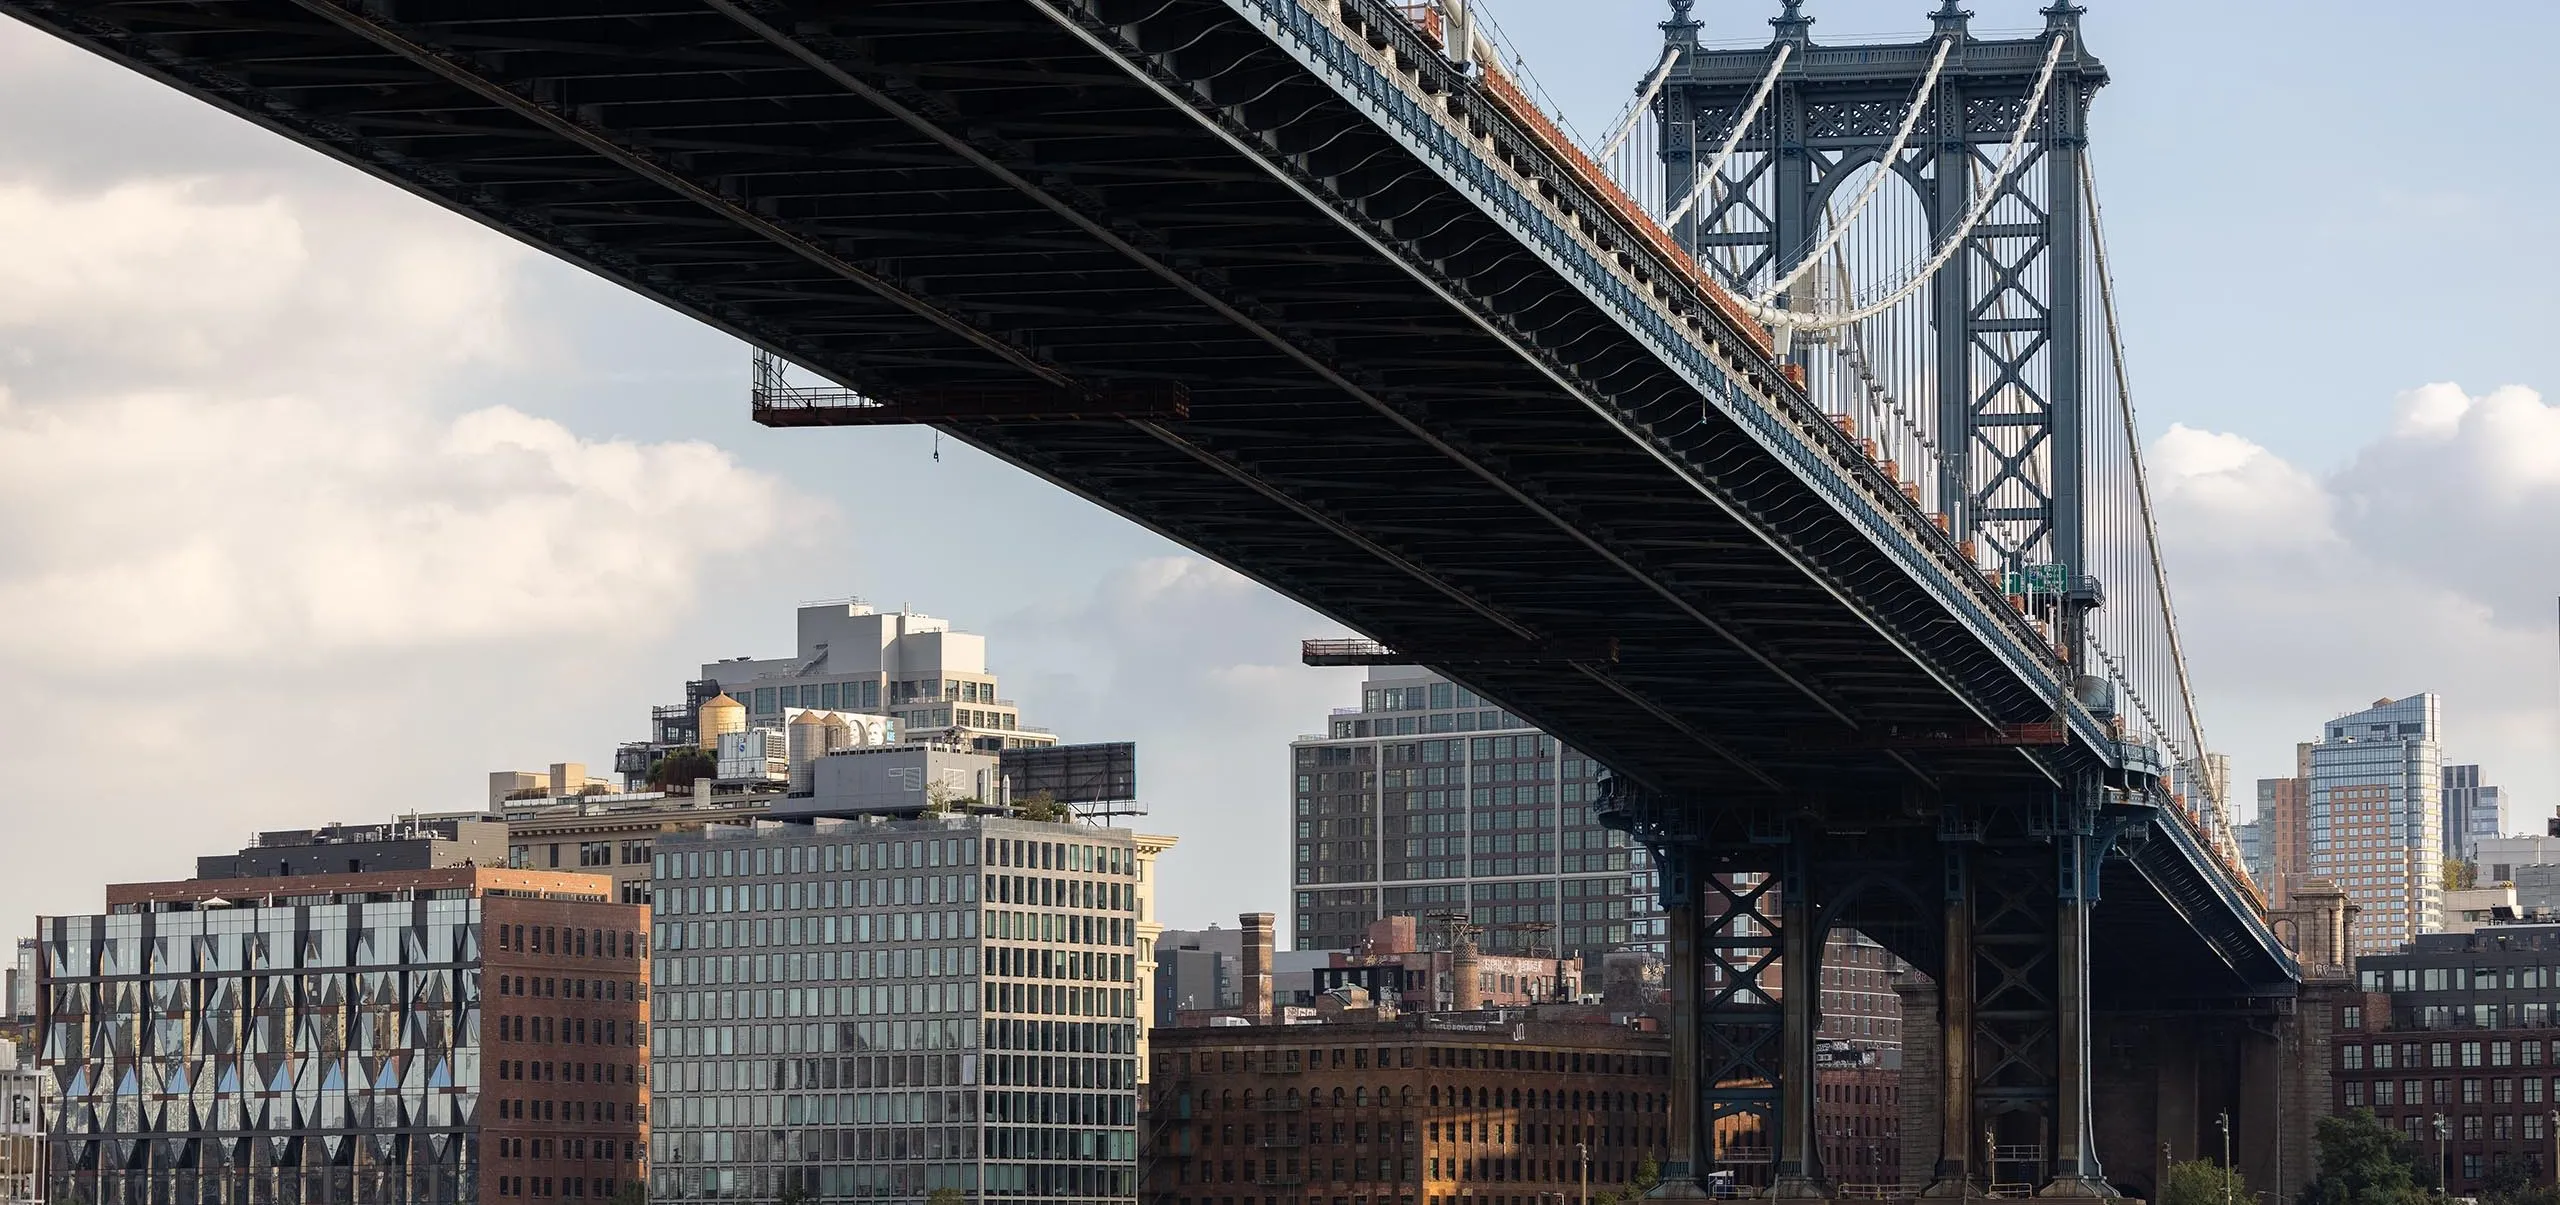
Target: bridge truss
point(1310, 287)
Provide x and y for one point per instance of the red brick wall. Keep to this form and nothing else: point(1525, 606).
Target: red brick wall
point(564, 1036)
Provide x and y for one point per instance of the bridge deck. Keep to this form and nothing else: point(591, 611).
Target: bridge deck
point(1462, 416)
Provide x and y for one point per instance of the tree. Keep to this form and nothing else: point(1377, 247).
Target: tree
point(793, 1194)
point(2203, 1182)
point(946, 1196)
point(1041, 805)
point(1647, 1178)
point(632, 1192)
point(2510, 1182)
point(2362, 1162)
point(2461, 874)
point(677, 770)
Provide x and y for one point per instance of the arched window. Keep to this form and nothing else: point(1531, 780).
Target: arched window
point(1248, 1098)
point(1293, 1098)
point(1360, 1098)
point(1337, 1098)
point(1435, 1096)
point(1226, 1100)
point(1466, 1098)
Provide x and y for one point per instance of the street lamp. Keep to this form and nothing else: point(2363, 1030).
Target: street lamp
point(2444, 1162)
point(1582, 1152)
point(2223, 1119)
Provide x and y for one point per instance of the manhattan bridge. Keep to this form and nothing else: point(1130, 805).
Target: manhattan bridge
point(1776, 447)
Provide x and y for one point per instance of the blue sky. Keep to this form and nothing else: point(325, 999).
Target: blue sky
point(331, 502)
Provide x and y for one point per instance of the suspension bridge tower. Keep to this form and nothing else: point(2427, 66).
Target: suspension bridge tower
point(1913, 221)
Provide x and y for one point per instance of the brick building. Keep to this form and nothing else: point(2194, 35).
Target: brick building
point(2464, 1027)
point(1423, 1110)
point(450, 1033)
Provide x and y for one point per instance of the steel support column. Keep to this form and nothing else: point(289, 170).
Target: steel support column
point(2080, 851)
point(1955, 1172)
point(1675, 865)
point(1800, 939)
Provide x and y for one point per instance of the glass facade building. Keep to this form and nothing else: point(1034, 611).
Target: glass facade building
point(346, 1038)
point(876, 1008)
point(1427, 799)
point(2376, 827)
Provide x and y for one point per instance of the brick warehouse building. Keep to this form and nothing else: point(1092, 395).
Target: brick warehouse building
point(446, 1034)
point(1423, 1110)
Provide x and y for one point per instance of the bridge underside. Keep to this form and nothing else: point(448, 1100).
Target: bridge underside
point(1398, 412)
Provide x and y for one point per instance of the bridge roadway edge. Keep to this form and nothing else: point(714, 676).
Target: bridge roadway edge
point(705, 310)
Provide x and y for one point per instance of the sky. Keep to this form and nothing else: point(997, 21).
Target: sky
point(319, 503)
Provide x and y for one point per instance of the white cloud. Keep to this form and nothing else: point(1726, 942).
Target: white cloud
point(210, 529)
point(271, 552)
point(2427, 563)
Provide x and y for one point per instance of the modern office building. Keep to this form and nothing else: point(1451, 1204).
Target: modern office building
point(886, 1005)
point(1420, 1110)
point(1428, 800)
point(2472, 811)
point(2374, 793)
point(445, 1033)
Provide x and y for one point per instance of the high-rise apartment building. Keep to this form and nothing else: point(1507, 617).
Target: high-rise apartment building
point(2473, 810)
point(2374, 793)
point(1427, 799)
point(439, 1033)
point(2277, 844)
point(885, 1005)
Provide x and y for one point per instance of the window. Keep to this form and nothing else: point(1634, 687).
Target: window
point(2440, 1054)
point(2351, 1058)
point(2471, 1092)
point(595, 853)
point(2471, 1054)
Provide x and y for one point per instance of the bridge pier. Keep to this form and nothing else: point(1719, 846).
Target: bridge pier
point(1799, 1172)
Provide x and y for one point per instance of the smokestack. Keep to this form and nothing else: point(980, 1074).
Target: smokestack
point(1257, 965)
point(1466, 976)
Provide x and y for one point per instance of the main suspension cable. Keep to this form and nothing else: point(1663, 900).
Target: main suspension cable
point(1644, 101)
point(1885, 167)
point(1982, 202)
point(1733, 138)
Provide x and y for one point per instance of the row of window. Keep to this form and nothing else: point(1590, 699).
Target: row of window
point(550, 988)
point(2384, 1056)
point(569, 943)
point(2385, 1092)
point(601, 1188)
point(568, 1148)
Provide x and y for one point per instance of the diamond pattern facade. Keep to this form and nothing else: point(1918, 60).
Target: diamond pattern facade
point(328, 1038)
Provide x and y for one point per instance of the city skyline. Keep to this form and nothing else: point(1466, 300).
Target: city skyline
point(192, 298)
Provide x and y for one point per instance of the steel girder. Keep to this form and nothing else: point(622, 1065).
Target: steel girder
point(1437, 390)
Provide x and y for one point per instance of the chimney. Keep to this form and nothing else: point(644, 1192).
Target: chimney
point(1257, 965)
point(1466, 976)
